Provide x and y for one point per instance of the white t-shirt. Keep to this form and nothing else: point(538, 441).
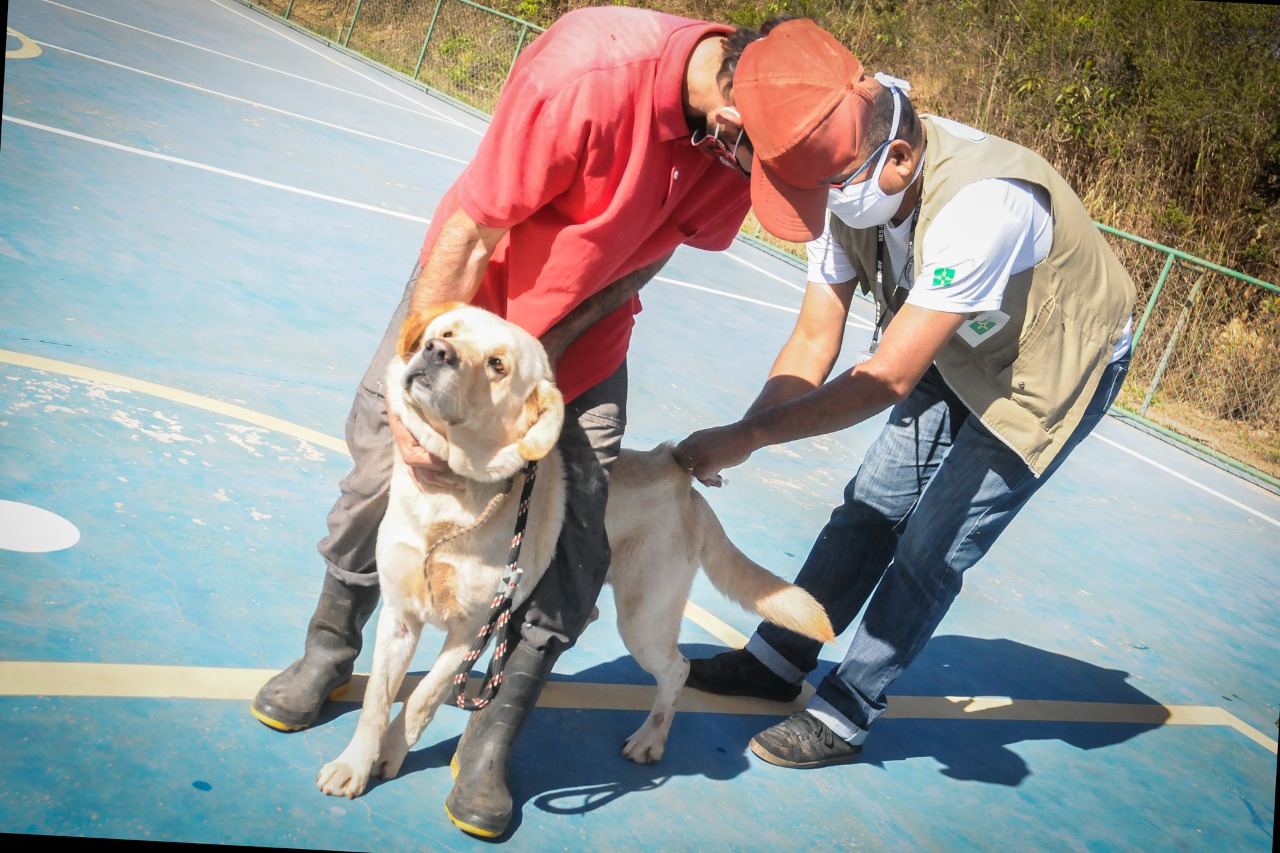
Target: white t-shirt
point(989, 231)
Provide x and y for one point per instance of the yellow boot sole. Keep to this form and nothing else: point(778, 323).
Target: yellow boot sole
point(279, 726)
point(468, 828)
point(274, 724)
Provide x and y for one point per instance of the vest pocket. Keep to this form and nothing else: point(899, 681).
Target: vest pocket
point(1037, 380)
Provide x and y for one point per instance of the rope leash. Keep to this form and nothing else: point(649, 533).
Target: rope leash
point(499, 616)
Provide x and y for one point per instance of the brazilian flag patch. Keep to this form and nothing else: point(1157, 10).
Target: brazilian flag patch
point(944, 277)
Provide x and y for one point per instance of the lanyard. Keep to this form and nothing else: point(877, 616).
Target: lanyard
point(911, 262)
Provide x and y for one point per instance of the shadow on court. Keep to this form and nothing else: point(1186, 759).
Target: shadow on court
point(977, 749)
point(568, 762)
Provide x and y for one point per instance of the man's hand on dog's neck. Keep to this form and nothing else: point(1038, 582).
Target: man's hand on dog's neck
point(428, 469)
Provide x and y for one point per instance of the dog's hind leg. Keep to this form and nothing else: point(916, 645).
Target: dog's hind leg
point(397, 637)
point(650, 634)
point(421, 706)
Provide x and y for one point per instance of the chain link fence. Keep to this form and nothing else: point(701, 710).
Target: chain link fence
point(1206, 358)
point(1206, 363)
point(454, 47)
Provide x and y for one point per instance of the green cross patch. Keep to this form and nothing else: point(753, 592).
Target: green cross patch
point(944, 277)
point(981, 327)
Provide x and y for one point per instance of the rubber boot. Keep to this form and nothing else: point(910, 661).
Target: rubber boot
point(292, 699)
point(480, 803)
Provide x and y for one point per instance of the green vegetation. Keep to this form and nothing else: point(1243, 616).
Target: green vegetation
point(1165, 117)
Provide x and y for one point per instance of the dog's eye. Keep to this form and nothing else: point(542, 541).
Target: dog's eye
point(498, 367)
point(447, 333)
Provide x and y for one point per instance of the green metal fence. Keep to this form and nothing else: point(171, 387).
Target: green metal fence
point(1206, 356)
point(455, 47)
point(1206, 359)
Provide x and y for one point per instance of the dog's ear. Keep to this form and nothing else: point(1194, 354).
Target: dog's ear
point(415, 324)
point(543, 418)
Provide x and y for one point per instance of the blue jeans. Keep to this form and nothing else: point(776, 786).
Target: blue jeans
point(930, 498)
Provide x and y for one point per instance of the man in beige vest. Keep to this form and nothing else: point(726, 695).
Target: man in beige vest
point(1002, 338)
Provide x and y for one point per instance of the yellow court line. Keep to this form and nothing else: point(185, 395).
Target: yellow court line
point(138, 681)
point(27, 49)
point(710, 623)
point(49, 679)
point(176, 395)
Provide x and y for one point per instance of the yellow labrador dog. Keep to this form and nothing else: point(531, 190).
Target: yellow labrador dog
point(478, 391)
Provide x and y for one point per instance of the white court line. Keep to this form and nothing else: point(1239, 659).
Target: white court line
point(851, 319)
point(70, 679)
point(763, 271)
point(864, 324)
point(417, 112)
point(868, 325)
point(1235, 503)
point(381, 85)
point(217, 171)
point(255, 104)
point(663, 279)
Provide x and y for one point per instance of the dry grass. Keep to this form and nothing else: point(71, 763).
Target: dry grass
point(1218, 386)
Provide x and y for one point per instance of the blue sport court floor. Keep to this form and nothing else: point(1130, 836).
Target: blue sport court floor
point(207, 218)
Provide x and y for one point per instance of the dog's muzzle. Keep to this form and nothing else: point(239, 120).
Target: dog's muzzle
point(431, 380)
point(436, 354)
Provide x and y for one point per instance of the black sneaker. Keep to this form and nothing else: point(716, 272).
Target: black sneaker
point(738, 673)
point(802, 740)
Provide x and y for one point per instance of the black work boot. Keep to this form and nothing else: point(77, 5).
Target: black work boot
point(291, 700)
point(480, 803)
point(739, 673)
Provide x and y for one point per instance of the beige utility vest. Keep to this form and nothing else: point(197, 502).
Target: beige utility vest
point(1031, 381)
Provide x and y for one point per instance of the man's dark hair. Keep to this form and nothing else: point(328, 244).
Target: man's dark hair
point(882, 121)
point(735, 43)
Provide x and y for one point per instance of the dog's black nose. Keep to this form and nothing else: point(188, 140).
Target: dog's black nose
point(439, 349)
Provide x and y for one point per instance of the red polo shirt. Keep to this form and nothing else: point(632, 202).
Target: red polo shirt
point(588, 163)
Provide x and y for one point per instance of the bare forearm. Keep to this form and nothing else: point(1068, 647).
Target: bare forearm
point(847, 399)
point(596, 307)
point(808, 356)
point(800, 368)
point(911, 343)
point(842, 402)
point(455, 267)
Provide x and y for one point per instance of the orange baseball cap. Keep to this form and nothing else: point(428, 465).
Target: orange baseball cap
point(805, 107)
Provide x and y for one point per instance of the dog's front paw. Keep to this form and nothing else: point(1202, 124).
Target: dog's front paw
point(392, 752)
point(338, 778)
point(645, 746)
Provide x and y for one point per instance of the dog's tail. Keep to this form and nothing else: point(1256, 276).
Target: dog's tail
point(751, 585)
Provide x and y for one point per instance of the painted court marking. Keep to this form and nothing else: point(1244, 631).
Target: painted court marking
point(254, 104)
point(139, 681)
point(421, 111)
point(326, 57)
point(215, 170)
point(176, 395)
point(851, 320)
point(1184, 478)
point(27, 49)
point(34, 530)
point(23, 678)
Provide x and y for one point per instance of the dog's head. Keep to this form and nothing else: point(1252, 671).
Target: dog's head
point(482, 384)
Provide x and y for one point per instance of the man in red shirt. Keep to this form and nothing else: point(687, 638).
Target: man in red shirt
point(614, 142)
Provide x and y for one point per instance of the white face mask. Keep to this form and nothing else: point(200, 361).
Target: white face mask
point(865, 205)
